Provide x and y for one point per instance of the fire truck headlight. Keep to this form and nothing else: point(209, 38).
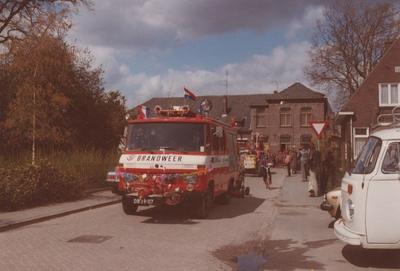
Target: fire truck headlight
point(190, 187)
point(191, 179)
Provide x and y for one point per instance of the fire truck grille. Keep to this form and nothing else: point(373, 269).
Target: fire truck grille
point(165, 178)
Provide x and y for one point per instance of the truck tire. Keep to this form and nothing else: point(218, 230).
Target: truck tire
point(205, 205)
point(226, 197)
point(128, 206)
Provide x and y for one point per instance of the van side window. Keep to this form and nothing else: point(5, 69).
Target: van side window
point(391, 159)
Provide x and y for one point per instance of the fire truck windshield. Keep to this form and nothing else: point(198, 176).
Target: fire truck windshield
point(155, 136)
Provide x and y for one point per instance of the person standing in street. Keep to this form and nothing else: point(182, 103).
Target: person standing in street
point(304, 157)
point(315, 168)
point(287, 163)
point(327, 171)
point(293, 161)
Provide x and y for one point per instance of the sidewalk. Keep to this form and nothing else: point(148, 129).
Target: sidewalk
point(30, 216)
point(295, 193)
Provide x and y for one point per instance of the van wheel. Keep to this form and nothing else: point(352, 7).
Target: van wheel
point(128, 206)
point(205, 205)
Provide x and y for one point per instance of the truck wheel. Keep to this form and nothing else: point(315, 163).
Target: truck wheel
point(128, 206)
point(226, 197)
point(205, 204)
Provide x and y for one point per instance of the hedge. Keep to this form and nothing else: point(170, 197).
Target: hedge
point(36, 185)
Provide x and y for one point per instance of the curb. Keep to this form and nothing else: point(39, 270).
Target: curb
point(19, 219)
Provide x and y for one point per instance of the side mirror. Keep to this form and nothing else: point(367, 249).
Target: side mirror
point(219, 131)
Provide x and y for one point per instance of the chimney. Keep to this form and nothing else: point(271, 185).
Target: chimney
point(275, 92)
point(388, 44)
point(224, 106)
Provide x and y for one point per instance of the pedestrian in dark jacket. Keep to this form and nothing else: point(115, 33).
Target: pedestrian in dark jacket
point(304, 164)
point(293, 161)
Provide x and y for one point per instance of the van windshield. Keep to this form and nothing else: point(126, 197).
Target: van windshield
point(366, 160)
point(175, 136)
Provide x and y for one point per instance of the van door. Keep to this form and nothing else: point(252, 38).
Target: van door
point(383, 200)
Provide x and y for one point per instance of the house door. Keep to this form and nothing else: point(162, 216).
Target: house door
point(383, 201)
point(286, 143)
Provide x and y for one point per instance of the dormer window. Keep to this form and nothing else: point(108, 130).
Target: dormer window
point(389, 94)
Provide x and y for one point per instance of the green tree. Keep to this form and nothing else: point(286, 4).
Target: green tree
point(348, 42)
point(57, 98)
point(38, 65)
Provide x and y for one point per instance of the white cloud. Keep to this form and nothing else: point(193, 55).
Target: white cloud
point(160, 24)
point(306, 23)
point(117, 31)
point(260, 74)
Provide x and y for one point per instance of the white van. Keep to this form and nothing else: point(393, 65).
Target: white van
point(370, 199)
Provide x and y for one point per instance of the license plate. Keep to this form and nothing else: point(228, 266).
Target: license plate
point(249, 164)
point(143, 201)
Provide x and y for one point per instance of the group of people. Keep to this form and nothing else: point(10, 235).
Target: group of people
point(316, 172)
point(313, 170)
point(309, 162)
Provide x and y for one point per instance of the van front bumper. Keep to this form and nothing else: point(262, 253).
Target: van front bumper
point(345, 235)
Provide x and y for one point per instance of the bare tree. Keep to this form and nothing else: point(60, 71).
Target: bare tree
point(18, 16)
point(348, 42)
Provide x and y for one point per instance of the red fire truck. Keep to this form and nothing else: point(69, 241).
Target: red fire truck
point(178, 156)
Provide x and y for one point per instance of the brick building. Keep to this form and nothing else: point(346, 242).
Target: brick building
point(283, 118)
point(280, 118)
point(377, 95)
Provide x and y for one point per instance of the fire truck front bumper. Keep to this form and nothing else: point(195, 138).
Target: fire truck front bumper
point(168, 198)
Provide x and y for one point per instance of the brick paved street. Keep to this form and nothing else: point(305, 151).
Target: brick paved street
point(154, 239)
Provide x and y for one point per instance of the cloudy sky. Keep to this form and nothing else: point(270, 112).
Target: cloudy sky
point(152, 48)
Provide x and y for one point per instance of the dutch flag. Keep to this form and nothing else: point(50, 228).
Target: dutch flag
point(188, 95)
point(144, 111)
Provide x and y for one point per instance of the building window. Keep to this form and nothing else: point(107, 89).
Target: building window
point(360, 137)
point(286, 114)
point(305, 141)
point(305, 116)
point(389, 94)
point(260, 117)
point(286, 143)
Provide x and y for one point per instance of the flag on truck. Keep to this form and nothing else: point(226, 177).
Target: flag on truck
point(144, 111)
point(188, 95)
